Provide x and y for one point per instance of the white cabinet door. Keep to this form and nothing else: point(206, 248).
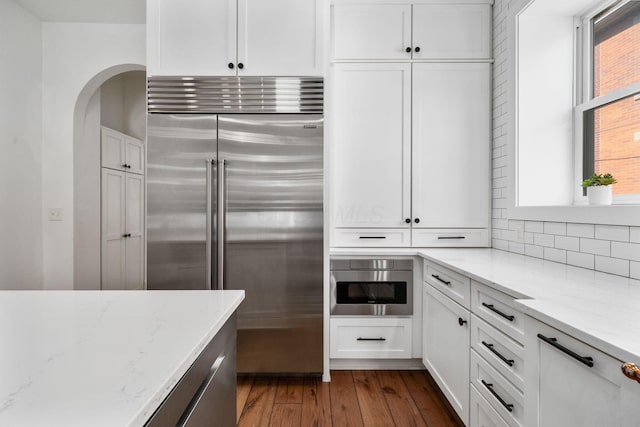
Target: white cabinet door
point(371, 31)
point(134, 155)
point(195, 37)
point(371, 159)
point(280, 37)
point(451, 145)
point(452, 31)
point(562, 389)
point(113, 153)
point(113, 228)
point(445, 347)
point(134, 242)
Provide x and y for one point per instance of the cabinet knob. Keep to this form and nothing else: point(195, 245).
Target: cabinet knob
point(461, 321)
point(408, 50)
point(231, 65)
point(408, 220)
point(417, 220)
point(631, 371)
point(417, 49)
point(240, 65)
point(126, 235)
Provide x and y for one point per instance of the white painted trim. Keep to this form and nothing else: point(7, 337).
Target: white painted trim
point(369, 364)
point(613, 215)
point(489, 2)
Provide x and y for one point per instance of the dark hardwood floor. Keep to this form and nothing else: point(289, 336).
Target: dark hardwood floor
point(351, 399)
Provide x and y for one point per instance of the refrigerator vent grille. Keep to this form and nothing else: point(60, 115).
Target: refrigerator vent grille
point(235, 95)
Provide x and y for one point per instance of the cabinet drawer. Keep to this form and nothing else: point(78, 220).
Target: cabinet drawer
point(452, 284)
point(497, 309)
point(500, 351)
point(450, 237)
point(482, 414)
point(370, 237)
point(370, 338)
point(503, 396)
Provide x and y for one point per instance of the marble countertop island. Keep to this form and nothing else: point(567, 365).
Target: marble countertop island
point(92, 358)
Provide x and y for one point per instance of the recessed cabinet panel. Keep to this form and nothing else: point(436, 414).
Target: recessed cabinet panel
point(197, 37)
point(371, 145)
point(113, 228)
point(371, 237)
point(371, 31)
point(452, 31)
point(451, 136)
point(134, 243)
point(134, 155)
point(112, 149)
point(279, 37)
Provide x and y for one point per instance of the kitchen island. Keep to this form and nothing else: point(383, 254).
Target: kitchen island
point(101, 358)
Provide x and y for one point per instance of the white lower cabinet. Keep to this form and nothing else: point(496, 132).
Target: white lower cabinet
point(569, 383)
point(481, 414)
point(383, 337)
point(445, 347)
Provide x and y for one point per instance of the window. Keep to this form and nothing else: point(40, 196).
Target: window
point(609, 114)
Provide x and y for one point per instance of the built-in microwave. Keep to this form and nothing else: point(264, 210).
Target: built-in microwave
point(375, 287)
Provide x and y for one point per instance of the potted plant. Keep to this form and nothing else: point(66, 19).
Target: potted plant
point(599, 188)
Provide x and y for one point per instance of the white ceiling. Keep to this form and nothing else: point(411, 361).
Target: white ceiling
point(104, 11)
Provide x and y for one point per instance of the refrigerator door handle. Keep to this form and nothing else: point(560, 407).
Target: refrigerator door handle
point(209, 225)
point(222, 221)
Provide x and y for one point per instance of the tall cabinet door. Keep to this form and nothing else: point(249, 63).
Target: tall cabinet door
point(134, 242)
point(451, 137)
point(134, 150)
point(113, 228)
point(280, 37)
point(197, 37)
point(371, 159)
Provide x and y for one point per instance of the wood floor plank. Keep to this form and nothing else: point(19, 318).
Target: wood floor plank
point(244, 387)
point(373, 405)
point(289, 390)
point(345, 410)
point(286, 415)
point(427, 399)
point(401, 405)
point(257, 410)
point(316, 403)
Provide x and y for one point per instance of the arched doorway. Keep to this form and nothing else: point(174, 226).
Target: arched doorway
point(115, 98)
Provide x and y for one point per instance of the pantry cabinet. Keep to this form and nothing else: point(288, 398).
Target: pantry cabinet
point(234, 37)
point(121, 152)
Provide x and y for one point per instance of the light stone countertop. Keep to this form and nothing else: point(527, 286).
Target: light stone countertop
point(600, 309)
point(100, 358)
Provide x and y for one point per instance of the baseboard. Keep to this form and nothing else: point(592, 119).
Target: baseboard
point(374, 364)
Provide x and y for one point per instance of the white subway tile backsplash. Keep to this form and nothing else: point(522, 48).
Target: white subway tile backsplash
point(557, 255)
point(635, 270)
point(612, 232)
point(634, 234)
point(517, 248)
point(534, 251)
point(580, 259)
point(597, 247)
point(581, 230)
point(612, 265)
point(566, 242)
point(543, 240)
point(502, 224)
point(515, 224)
point(528, 238)
point(503, 245)
point(625, 250)
point(534, 226)
point(555, 228)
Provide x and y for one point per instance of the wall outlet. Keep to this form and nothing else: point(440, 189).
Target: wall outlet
point(519, 230)
point(56, 214)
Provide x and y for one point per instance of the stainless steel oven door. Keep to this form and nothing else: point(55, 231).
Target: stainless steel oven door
point(371, 293)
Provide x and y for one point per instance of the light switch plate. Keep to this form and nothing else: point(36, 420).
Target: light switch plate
point(56, 214)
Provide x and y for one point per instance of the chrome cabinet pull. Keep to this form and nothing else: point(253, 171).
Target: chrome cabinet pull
point(509, 362)
point(489, 386)
point(554, 343)
point(509, 317)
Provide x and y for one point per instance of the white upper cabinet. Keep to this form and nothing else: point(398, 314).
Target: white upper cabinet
point(371, 31)
point(234, 37)
point(371, 160)
point(451, 144)
point(451, 31)
point(406, 31)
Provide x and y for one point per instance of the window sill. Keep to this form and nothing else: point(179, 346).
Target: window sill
point(618, 214)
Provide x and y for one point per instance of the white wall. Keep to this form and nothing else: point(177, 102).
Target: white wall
point(20, 148)
point(73, 55)
point(123, 103)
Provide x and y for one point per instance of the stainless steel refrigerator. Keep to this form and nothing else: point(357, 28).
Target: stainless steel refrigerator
point(235, 201)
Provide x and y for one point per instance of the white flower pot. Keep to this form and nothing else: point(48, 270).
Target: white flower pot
point(600, 195)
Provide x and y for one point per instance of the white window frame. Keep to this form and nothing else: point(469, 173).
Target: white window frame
point(584, 95)
point(579, 211)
